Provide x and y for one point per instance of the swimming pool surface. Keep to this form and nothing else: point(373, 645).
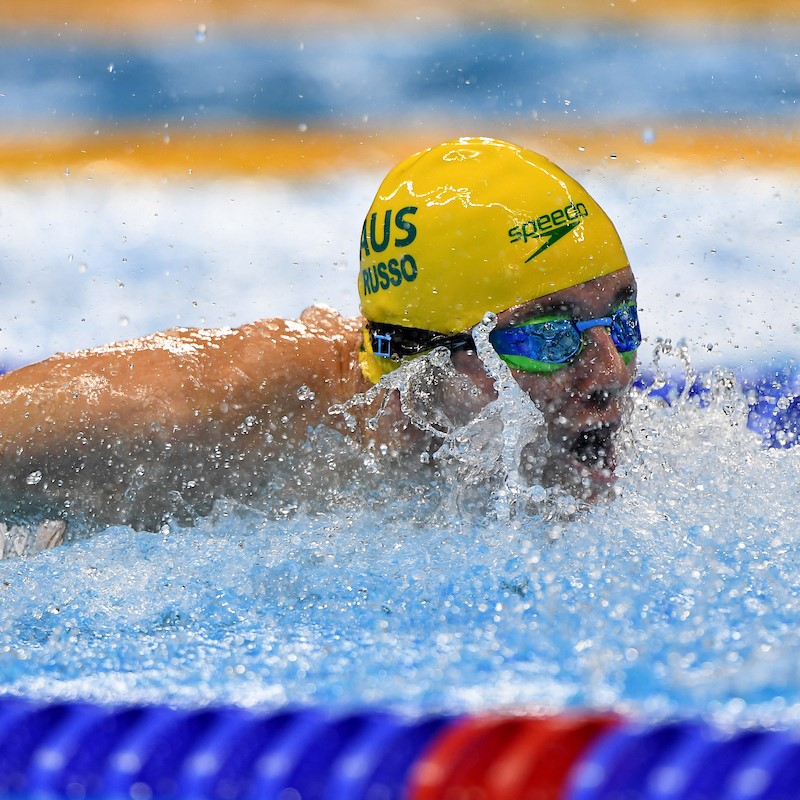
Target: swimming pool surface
point(373, 584)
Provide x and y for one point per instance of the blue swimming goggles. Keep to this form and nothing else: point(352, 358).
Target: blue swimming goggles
point(541, 344)
point(545, 344)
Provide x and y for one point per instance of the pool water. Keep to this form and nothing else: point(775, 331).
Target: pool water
point(363, 579)
point(678, 596)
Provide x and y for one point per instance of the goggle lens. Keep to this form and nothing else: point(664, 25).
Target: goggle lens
point(546, 344)
point(625, 331)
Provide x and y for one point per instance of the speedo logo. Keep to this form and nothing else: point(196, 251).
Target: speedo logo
point(549, 228)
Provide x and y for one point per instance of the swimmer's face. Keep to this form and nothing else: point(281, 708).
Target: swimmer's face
point(583, 402)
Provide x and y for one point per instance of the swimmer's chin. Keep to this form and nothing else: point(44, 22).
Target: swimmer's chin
point(590, 481)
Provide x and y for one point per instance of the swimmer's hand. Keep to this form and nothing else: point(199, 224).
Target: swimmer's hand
point(21, 540)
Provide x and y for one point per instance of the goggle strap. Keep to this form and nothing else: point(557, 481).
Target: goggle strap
point(397, 341)
point(584, 324)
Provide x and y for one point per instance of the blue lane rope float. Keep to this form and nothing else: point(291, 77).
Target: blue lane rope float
point(772, 396)
point(81, 751)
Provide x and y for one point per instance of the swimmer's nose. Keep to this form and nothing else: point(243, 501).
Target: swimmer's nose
point(603, 373)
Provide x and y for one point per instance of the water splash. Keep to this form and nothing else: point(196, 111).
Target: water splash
point(477, 450)
point(680, 596)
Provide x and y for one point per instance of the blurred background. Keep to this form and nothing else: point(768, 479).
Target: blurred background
point(167, 162)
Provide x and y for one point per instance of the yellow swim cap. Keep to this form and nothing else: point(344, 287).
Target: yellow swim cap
point(475, 225)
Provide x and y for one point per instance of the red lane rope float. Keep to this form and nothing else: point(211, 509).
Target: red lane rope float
point(541, 758)
point(461, 753)
point(496, 758)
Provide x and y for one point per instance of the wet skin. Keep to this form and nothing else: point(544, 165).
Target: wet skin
point(583, 403)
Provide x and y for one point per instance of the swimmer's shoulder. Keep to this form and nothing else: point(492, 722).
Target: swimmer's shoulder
point(317, 322)
point(319, 346)
point(327, 320)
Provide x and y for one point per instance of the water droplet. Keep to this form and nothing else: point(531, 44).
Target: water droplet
point(34, 478)
point(110, 67)
point(304, 393)
point(302, 127)
point(201, 34)
point(82, 267)
point(66, 171)
point(123, 321)
point(612, 156)
point(648, 135)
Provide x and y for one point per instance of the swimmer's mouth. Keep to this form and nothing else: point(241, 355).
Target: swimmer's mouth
point(593, 450)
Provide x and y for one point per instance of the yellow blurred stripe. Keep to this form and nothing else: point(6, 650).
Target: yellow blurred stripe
point(155, 14)
point(286, 153)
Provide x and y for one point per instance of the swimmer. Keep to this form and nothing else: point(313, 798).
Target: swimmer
point(128, 432)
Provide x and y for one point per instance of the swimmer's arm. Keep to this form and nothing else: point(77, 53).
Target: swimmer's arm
point(179, 384)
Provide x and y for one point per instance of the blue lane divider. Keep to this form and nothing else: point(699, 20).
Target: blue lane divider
point(393, 763)
point(23, 734)
point(773, 399)
point(716, 764)
point(225, 767)
point(80, 751)
point(95, 748)
point(48, 773)
point(770, 770)
point(701, 765)
point(624, 761)
point(276, 766)
point(225, 753)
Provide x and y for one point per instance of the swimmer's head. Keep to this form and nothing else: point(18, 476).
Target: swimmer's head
point(470, 226)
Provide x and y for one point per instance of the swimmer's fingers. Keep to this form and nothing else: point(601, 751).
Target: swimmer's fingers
point(49, 534)
point(20, 540)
